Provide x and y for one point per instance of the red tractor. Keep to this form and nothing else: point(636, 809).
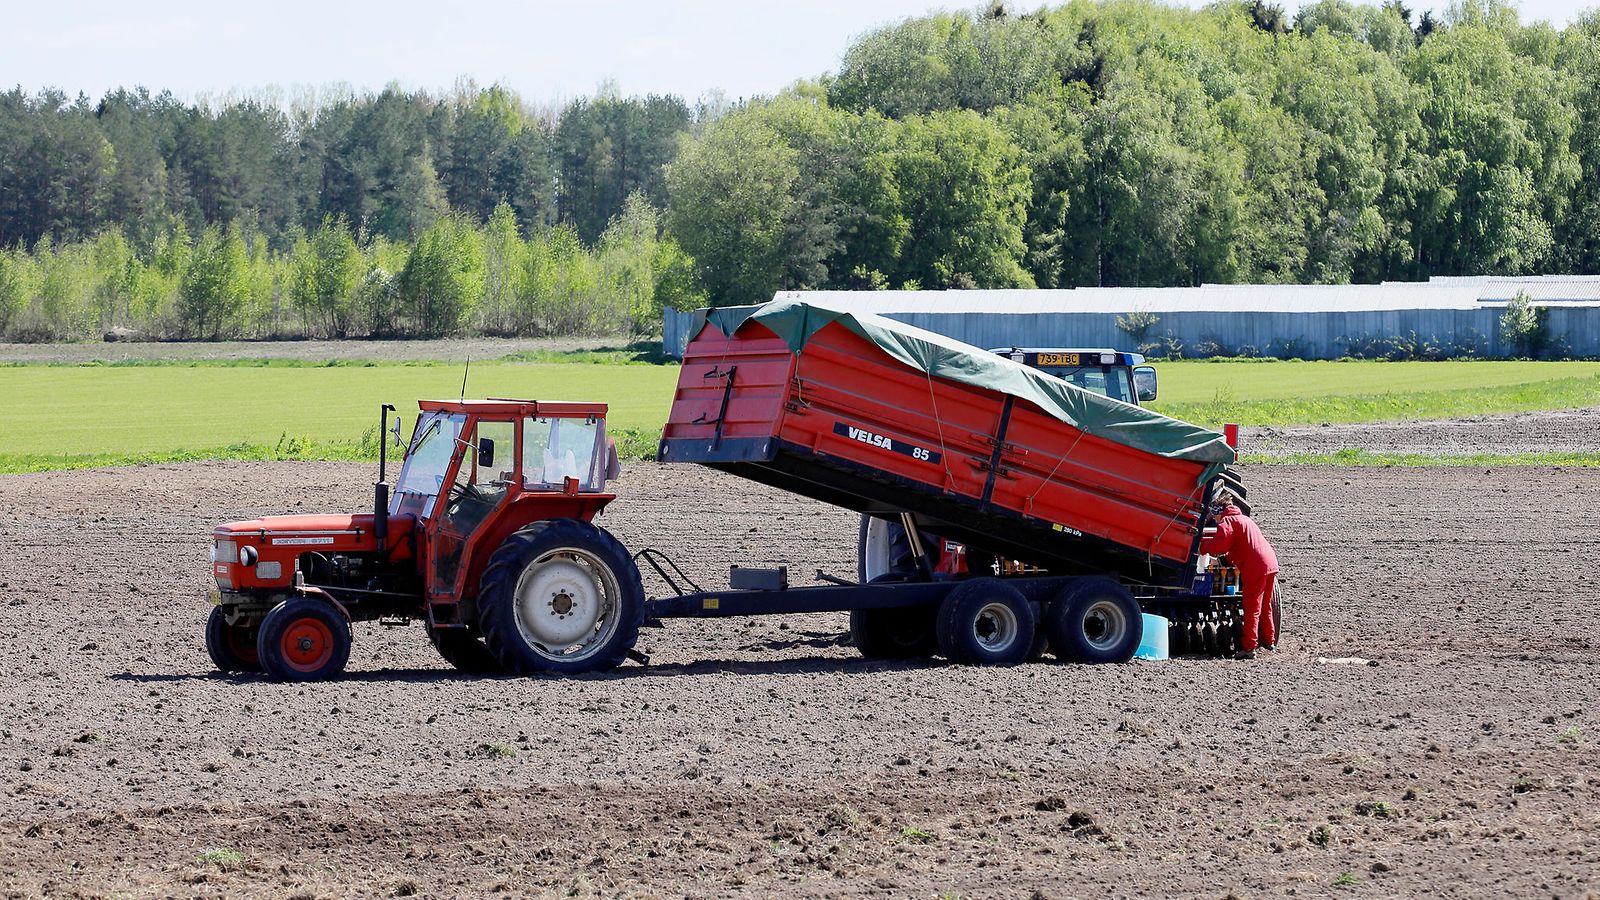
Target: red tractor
point(487, 538)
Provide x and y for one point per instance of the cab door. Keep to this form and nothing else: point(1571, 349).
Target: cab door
point(486, 476)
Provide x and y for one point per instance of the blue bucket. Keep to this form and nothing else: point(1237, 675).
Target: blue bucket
point(1154, 643)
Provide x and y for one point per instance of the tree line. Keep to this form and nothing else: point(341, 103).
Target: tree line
point(1112, 143)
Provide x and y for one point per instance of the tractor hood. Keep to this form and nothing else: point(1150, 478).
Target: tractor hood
point(332, 532)
point(261, 554)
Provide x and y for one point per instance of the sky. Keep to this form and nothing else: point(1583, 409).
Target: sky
point(546, 51)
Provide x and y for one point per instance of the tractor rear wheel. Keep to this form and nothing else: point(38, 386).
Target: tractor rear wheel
point(462, 649)
point(304, 639)
point(560, 596)
point(986, 621)
point(232, 647)
point(1094, 620)
point(900, 633)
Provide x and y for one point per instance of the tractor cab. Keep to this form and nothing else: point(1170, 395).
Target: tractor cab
point(477, 470)
point(1110, 373)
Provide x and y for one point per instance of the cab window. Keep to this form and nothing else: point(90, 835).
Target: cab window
point(554, 450)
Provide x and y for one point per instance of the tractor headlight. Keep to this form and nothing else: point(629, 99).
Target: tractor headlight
point(247, 555)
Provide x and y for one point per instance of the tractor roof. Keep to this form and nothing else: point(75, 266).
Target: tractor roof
point(501, 406)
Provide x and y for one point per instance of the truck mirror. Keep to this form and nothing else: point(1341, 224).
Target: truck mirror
point(485, 453)
point(613, 463)
point(398, 440)
point(1144, 383)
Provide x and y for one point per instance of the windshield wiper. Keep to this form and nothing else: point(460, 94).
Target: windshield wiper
point(427, 433)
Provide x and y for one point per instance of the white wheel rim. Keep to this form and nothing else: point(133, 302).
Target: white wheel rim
point(995, 627)
point(566, 602)
point(1104, 625)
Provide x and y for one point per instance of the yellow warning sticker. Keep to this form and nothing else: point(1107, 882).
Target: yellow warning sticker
point(711, 603)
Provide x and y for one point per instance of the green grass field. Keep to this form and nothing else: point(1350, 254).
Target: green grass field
point(72, 415)
point(59, 416)
point(1296, 393)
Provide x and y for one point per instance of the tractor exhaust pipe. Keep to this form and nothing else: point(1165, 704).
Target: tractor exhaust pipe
point(380, 488)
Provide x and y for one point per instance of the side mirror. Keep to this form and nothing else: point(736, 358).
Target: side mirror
point(398, 440)
point(485, 453)
point(613, 463)
point(1144, 383)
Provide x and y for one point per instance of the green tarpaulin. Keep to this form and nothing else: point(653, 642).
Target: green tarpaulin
point(796, 321)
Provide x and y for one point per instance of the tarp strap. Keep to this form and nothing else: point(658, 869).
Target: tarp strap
point(1027, 507)
point(944, 454)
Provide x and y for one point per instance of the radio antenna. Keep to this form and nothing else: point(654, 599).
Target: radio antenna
point(465, 370)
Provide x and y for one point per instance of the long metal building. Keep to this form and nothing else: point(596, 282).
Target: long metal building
point(1460, 315)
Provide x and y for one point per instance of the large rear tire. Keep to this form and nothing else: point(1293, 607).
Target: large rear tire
point(560, 596)
point(986, 622)
point(901, 633)
point(463, 649)
point(232, 647)
point(1094, 620)
point(303, 639)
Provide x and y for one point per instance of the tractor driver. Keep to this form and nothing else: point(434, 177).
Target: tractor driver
point(1239, 538)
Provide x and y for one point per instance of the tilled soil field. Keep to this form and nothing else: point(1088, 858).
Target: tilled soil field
point(763, 757)
point(1546, 431)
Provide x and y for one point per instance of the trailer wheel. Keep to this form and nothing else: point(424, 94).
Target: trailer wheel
point(1094, 620)
point(462, 649)
point(903, 633)
point(985, 621)
point(232, 647)
point(303, 639)
point(560, 596)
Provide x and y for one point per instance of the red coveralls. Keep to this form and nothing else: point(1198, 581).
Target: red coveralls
point(1240, 539)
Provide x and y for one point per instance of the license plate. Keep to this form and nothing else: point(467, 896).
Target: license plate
point(1059, 359)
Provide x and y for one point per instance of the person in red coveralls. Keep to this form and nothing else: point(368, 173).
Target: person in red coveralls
point(1239, 538)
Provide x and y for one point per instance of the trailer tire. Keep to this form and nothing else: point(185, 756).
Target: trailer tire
point(595, 607)
point(464, 651)
point(985, 621)
point(900, 633)
point(232, 647)
point(304, 639)
point(1094, 620)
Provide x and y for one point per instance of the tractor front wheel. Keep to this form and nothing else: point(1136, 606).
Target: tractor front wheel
point(303, 639)
point(232, 647)
point(560, 596)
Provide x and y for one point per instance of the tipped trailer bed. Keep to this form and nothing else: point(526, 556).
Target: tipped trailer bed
point(1094, 497)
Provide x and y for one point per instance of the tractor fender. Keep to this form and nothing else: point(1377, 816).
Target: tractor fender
point(323, 595)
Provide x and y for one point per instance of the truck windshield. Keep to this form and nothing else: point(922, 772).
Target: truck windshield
point(1107, 381)
point(433, 445)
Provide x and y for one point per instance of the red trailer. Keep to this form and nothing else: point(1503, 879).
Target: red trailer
point(1094, 495)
